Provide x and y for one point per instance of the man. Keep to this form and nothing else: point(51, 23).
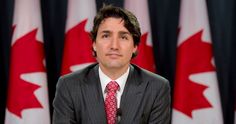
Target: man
point(113, 90)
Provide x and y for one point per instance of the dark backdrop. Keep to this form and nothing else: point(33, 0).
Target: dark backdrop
point(164, 16)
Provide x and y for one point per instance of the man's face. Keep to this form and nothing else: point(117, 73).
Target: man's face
point(114, 44)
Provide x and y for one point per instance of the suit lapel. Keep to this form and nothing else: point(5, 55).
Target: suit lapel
point(94, 97)
point(132, 95)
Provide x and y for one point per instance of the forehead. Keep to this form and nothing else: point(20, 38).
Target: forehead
point(112, 24)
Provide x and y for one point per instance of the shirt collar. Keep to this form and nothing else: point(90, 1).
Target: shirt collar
point(104, 79)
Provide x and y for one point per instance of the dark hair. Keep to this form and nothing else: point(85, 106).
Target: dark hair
point(130, 22)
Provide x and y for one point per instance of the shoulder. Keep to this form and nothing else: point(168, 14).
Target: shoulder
point(78, 76)
point(151, 78)
point(147, 75)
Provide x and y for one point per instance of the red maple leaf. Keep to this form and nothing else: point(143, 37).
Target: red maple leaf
point(145, 58)
point(26, 57)
point(193, 56)
point(78, 47)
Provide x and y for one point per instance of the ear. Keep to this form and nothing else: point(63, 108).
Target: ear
point(135, 49)
point(94, 46)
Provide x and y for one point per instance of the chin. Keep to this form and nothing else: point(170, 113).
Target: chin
point(117, 66)
point(114, 65)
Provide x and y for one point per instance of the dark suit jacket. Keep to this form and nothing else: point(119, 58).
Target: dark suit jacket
point(79, 98)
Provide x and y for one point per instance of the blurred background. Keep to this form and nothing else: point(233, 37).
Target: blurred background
point(164, 22)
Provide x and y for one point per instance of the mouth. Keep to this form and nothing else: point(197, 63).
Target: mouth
point(113, 55)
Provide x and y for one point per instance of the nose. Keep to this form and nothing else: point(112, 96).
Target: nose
point(115, 44)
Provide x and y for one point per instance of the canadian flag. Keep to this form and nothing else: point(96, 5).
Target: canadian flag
point(27, 101)
point(145, 56)
point(78, 45)
point(196, 95)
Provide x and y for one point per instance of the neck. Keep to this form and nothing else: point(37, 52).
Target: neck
point(114, 73)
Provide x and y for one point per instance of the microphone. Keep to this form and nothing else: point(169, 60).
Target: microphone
point(118, 115)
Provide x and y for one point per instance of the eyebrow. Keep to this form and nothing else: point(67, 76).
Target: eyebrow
point(124, 32)
point(120, 32)
point(106, 31)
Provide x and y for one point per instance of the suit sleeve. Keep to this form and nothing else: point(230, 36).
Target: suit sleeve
point(63, 106)
point(160, 113)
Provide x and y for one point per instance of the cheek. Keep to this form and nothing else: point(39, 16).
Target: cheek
point(129, 51)
point(100, 48)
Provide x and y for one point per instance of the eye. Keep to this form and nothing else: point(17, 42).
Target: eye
point(124, 37)
point(105, 35)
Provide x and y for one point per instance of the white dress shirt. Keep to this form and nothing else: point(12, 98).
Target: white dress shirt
point(104, 79)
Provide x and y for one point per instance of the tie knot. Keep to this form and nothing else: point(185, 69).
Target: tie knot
point(112, 86)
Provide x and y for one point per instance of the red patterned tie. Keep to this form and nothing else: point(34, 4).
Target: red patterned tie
point(111, 102)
